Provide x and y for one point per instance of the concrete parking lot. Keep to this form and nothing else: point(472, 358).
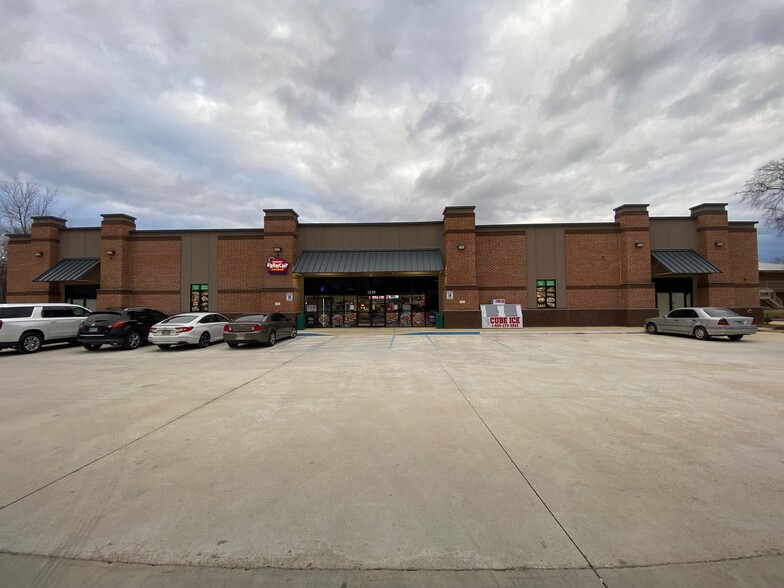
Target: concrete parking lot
point(389, 458)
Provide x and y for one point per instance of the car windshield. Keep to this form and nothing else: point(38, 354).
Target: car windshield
point(252, 318)
point(183, 318)
point(719, 312)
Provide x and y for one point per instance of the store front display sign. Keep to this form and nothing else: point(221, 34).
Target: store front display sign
point(545, 294)
point(200, 297)
point(276, 265)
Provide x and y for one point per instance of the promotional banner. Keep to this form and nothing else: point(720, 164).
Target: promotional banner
point(502, 316)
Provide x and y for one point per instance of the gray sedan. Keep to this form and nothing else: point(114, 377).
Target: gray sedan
point(259, 328)
point(703, 323)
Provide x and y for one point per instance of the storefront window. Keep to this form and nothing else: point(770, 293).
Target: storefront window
point(200, 297)
point(545, 294)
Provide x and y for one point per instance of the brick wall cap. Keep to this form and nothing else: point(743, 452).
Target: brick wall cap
point(18, 236)
point(627, 208)
point(280, 212)
point(459, 210)
point(749, 224)
point(119, 218)
point(49, 220)
point(709, 207)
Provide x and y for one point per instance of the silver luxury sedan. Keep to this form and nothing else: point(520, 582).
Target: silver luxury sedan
point(703, 323)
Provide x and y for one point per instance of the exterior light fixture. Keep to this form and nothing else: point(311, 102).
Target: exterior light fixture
point(638, 245)
point(719, 243)
point(110, 252)
point(277, 249)
point(39, 254)
point(461, 247)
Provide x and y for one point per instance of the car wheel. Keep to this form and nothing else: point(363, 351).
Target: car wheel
point(700, 333)
point(91, 347)
point(132, 340)
point(164, 346)
point(734, 337)
point(293, 332)
point(29, 342)
point(651, 328)
point(233, 345)
point(204, 340)
point(272, 338)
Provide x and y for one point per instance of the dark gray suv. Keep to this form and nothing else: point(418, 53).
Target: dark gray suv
point(118, 326)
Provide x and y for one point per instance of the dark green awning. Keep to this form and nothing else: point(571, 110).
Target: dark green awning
point(369, 262)
point(68, 270)
point(684, 261)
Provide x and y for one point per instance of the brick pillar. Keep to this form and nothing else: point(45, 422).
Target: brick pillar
point(281, 228)
point(115, 290)
point(713, 244)
point(459, 252)
point(637, 291)
point(41, 253)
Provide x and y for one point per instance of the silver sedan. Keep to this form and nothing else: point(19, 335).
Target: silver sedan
point(703, 323)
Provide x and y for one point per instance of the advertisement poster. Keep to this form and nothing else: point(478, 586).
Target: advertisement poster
point(502, 316)
point(545, 294)
point(200, 297)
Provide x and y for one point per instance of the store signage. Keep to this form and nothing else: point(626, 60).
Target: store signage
point(502, 316)
point(499, 300)
point(276, 265)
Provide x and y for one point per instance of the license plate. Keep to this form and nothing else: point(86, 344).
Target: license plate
point(93, 329)
point(166, 332)
point(240, 336)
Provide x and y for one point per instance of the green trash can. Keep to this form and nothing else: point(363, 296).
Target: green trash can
point(439, 321)
point(300, 322)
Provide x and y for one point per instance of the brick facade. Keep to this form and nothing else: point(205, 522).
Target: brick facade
point(605, 268)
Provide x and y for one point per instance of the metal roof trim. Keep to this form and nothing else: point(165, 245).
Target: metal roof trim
point(68, 270)
point(684, 261)
point(370, 261)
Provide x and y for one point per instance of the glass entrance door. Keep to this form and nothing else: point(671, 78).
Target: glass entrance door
point(379, 311)
point(363, 311)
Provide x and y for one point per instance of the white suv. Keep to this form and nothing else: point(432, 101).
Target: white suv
point(28, 326)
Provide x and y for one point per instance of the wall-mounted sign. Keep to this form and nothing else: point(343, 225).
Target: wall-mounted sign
point(276, 265)
point(545, 294)
point(499, 300)
point(289, 296)
point(200, 297)
point(450, 294)
point(502, 316)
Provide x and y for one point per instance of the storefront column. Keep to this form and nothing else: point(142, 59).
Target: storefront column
point(714, 245)
point(282, 290)
point(637, 296)
point(115, 290)
point(32, 258)
point(460, 298)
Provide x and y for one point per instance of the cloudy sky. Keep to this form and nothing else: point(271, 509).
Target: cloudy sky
point(200, 114)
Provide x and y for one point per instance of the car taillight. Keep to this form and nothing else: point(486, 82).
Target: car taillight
point(723, 323)
point(256, 327)
point(226, 328)
point(153, 329)
point(183, 329)
point(1, 324)
point(117, 325)
point(81, 325)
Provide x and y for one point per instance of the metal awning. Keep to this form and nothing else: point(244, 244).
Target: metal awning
point(683, 261)
point(369, 262)
point(68, 270)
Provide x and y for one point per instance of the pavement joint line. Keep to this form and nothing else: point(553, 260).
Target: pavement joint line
point(147, 434)
point(520, 471)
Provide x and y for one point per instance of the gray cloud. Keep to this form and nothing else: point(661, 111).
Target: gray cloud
point(202, 114)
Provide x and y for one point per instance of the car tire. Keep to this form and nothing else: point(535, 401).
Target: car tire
point(233, 345)
point(734, 337)
point(132, 340)
point(651, 328)
point(91, 347)
point(164, 345)
point(204, 340)
point(293, 332)
point(272, 338)
point(701, 334)
point(29, 342)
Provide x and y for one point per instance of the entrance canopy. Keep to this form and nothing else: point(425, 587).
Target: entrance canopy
point(683, 262)
point(69, 270)
point(369, 262)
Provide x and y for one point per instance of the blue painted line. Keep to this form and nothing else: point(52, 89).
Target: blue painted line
point(391, 343)
point(301, 334)
point(430, 334)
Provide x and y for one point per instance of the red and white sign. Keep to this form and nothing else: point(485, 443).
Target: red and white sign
point(276, 265)
point(501, 316)
point(499, 300)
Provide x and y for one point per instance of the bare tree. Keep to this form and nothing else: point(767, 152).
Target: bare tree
point(19, 203)
point(765, 190)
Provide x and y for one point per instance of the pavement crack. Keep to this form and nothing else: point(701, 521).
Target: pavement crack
point(148, 433)
point(522, 474)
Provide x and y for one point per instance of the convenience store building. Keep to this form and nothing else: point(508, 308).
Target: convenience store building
point(345, 275)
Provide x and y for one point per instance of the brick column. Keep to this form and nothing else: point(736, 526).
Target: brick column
point(713, 244)
point(115, 290)
point(637, 291)
point(30, 258)
point(281, 228)
point(459, 252)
